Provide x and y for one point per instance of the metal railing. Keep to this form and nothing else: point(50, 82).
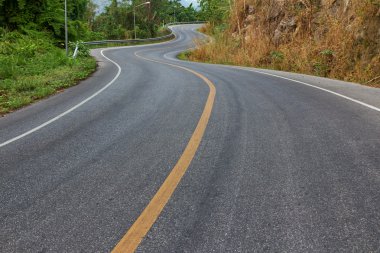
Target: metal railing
point(165, 37)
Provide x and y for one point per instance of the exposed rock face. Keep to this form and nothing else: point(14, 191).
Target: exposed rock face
point(330, 3)
point(284, 19)
point(250, 9)
point(284, 30)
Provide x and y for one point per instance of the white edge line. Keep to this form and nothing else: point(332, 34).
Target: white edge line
point(140, 51)
point(313, 86)
point(175, 52)
point(87, 99)
point(71, 109)
point(292, 80)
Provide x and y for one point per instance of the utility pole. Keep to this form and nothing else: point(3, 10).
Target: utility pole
point(134, 15)
point(134, 20)
point(66, 33)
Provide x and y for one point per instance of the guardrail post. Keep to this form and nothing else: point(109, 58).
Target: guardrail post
point(76, 50)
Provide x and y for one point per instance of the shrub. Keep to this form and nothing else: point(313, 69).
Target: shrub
point(83, 49)
point(276, 56)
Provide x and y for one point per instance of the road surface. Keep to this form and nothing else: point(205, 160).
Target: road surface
point(271, 161)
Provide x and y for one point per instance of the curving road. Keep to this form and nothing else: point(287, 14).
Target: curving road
point(271, 161)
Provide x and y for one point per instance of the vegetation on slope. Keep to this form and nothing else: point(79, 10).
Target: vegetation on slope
point(331, 38)
point(33, 62)
point(33, 68)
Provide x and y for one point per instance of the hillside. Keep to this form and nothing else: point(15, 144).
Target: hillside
point(331, 38)
point(33, 60)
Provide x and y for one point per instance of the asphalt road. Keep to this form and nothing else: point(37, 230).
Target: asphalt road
point(284, 165)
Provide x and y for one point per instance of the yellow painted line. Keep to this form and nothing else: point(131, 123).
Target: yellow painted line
point(148, 217)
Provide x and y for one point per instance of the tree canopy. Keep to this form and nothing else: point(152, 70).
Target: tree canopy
point(214, 11)
point(117, 20)
point(41, 14)
point(85, 24)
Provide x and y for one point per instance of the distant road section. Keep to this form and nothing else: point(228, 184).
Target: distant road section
point(155, 154)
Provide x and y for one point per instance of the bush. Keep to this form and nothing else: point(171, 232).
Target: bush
point(276, 56)
point(83, 49)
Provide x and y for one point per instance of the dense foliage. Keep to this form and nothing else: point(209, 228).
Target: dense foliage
point(215, 11)
point(33, 63)
point(115, 23)
point(45, 15)
point(117, 20)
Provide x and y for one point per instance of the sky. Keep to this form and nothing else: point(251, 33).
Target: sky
point(188, 2)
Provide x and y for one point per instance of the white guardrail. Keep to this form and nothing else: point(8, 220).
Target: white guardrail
point(169, 36)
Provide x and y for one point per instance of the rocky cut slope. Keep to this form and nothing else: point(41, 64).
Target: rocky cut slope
point(331, 38)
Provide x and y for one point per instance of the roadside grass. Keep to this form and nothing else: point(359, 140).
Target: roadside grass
point(329, 48)
point(184, 55)
point(32, 67)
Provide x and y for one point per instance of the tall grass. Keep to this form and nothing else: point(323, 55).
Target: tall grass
point(32, 67)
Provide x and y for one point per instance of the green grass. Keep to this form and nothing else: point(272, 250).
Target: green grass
point(184, 55)
point(31, 68)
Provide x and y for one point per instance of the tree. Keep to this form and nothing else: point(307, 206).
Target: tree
point(214, 11)
point(45, 15)
point(15, 13)
point(117, 20)
point(90, 14)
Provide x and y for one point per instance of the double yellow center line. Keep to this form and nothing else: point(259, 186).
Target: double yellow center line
point(145, 221)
